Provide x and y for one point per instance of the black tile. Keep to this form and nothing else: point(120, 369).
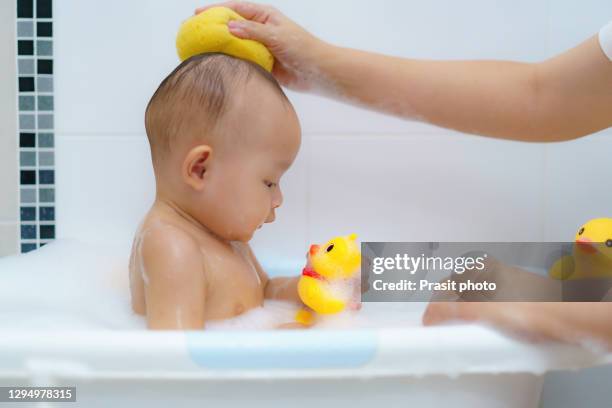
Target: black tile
point(44, 30)
point(43, 8)
point(27, 140)
point(45, 66)
point(27, 248)
point(25, 8)
point(26, 84)
point(28, 177)
point(46, 176)
point(25, 47)
point(47, 231)
point(28, 232)
point(28, 213)
point(47, 213)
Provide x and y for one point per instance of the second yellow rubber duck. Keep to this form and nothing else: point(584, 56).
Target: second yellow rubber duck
point(592, 253)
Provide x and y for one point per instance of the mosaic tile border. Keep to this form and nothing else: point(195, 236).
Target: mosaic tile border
point(35, 123)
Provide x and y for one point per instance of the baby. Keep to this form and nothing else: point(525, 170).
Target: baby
point(222, 133)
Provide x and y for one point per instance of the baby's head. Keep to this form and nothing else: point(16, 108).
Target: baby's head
point(222, 133)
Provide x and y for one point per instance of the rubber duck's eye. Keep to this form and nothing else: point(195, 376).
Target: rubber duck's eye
point(609, 243)
point(329, 248)
point(581, 231)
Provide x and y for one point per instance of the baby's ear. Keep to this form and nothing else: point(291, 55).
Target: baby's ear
point(195, 166)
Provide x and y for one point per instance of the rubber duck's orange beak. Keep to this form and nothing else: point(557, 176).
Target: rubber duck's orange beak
point(586, 245)
point(313, 249)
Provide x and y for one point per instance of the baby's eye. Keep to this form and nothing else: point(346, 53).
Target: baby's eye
point(270, 184)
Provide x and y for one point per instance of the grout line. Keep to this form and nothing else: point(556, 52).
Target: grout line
point(18, 135)
point(35, 33)
point(545, 193)
point(308, 192)
point(88, 135)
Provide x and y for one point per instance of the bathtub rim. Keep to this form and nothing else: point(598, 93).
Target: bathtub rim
point(411, 352)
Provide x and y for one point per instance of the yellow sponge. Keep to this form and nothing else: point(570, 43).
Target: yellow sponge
point(208, 32)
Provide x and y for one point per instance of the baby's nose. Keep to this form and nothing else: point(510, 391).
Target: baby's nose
point(278, 198)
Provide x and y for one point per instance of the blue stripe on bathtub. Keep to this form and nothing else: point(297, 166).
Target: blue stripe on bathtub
point(281, 349)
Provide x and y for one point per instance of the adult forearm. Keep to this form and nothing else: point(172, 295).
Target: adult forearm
point(559, 99)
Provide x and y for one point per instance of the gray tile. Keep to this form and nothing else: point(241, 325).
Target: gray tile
point(25, 66)
point(45, 84)
point(45, 121)
point(46, 195)
point(45, 103)
point(26, 122)
point(27, 159)
point(45, 159)
point(44, 47)
point(26, 103)
point(28, 195)
point(25, 29)
point(45, 140)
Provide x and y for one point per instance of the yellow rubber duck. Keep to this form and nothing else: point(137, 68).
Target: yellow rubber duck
point(208, 32)
point(326, 284)
point(592, 253)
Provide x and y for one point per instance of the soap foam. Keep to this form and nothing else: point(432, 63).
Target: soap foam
point(68, 284)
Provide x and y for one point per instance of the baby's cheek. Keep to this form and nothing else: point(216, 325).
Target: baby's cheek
point(253, 215)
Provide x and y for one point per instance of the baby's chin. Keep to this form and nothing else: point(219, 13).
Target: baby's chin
point(245, 236)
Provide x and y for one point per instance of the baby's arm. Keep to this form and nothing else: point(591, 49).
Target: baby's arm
point(174, 280)
point(282, 288)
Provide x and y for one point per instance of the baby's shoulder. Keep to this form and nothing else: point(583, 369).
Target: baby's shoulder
point(158, 238)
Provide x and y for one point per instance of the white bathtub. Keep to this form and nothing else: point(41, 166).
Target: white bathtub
point(67, 324)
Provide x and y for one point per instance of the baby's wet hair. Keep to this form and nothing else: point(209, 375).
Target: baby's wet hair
point(193, 98)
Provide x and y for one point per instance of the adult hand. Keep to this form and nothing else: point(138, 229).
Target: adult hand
point(570, 322)
point(297, 52)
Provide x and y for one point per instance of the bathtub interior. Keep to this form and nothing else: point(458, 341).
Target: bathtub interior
point(80, 282)
point(70, 300)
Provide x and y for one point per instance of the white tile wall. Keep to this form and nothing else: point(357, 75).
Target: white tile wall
point(383, 177)
point(104, 185)
point(425, 188)
point(578, 185)
point(571, 22)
